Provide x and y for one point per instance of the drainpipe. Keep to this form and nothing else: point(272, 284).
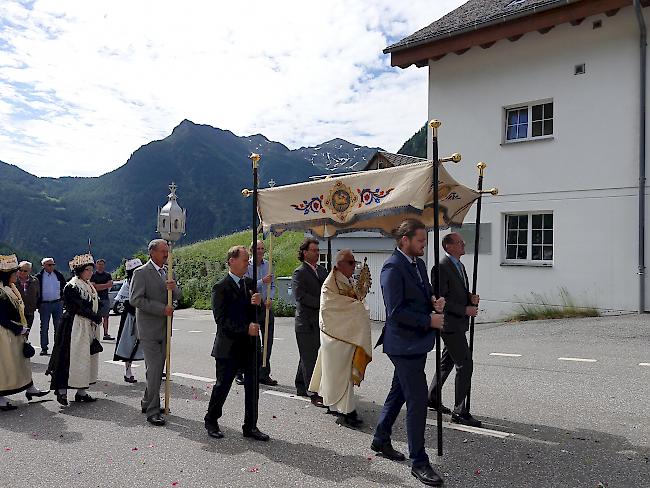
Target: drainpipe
point(642, 143)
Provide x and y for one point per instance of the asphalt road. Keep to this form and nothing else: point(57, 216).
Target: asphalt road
point(564, 404)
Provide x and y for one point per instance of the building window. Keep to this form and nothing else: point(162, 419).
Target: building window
point(529, 238)
point(529, 121)
point(322, 259)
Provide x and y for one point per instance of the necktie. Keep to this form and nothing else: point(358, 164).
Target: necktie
point(417, 271)
point(242, 287)
point(163, 273)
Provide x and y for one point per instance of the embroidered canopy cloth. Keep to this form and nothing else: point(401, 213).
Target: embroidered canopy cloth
point(376, 200)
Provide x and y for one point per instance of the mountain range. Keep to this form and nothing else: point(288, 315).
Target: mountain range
point(117, 211)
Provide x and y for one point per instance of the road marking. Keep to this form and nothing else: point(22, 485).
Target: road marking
point(286, 395)
point(175, 329)
point(194, 331)
point(121, 363)
point(578, 360)
point(278, 338)
point(505, 354)
point(644, 364)
point(192, 377)
point(474, 430)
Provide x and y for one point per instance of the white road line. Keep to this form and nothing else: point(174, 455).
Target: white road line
point(644, 364)
point(278, 338)
point(286, 395)
point(192, 377)
point(194, 331)
point(578, 360)
point(474, 430)
point(121, 363)
point(505, 354)
point(175, 329)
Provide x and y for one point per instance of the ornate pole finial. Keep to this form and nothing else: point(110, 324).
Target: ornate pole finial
point(271, 183)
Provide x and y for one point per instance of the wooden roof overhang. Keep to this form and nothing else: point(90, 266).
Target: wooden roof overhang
point(513, 28)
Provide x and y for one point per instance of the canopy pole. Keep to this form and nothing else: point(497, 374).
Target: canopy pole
point(255, 158)
point(329, 254)
point(435, 124)
point(477, 234)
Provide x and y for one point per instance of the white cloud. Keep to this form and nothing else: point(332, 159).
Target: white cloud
point(83, 84)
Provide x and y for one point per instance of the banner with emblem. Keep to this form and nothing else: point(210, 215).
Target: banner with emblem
point(376, 200)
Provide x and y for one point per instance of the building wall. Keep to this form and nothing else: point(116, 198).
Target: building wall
point(587, 174)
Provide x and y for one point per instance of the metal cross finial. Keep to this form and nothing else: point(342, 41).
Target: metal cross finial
point(271, 183)
point(172, 189)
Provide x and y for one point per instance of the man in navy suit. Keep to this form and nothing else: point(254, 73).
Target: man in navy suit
point(407, 337)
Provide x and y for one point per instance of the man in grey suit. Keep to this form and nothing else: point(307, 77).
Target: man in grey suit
point(148, 295)
point(460, 306)
point(306, 283)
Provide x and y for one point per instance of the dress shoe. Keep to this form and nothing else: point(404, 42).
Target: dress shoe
point(256, 434)
point(156, 419)
point(37, 394)
point(426, 475)
point(433, 405)
point(43, 352)
point(239, 379)
point(465, 419)
point(351, 420)
point(317, 401)
point(301, 393)
point(8, 407)
point(130, 379)
point(386, 450)
point(84, 399)
point(268, 381)
point(62, 399)
point(107, 337)
point(214, 431)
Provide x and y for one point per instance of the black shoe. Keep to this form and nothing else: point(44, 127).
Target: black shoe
point(465, 419)
point(214, 431)
point(351, 420)
point(433, 405)
point(8, 407)
point(62, 399)
point(427, 475)
point(317, 401)
point(301, 393)
point(239, 379)
point(107, 337)
point(30, 395)
point(43, 352)
point(268, 381)
point(256, 434)
point(386, 450)
point(84, 399)
point(130, 379)
point(156, 420)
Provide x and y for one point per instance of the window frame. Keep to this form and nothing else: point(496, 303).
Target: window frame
point(529, 130)
point(529, 261)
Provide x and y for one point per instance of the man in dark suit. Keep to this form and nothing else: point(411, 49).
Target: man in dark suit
point(460, 306)
point(408, 336)
point(234, 304)
point(306, 283)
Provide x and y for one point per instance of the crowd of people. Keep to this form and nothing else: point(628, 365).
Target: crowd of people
point(332, 327)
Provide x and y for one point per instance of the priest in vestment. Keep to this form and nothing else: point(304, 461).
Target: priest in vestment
point(345, 342)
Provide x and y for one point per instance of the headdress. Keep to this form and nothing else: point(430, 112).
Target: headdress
point(81, 260)
point(132, 264)
point(8, 263)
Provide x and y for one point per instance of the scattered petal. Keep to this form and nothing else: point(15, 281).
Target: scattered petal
point(254, 469)
point(7, 449)
point(274, 417)
point(151, 446)
point(477, 472)
point(134, 449)
point(369, 458)
point(174, 483)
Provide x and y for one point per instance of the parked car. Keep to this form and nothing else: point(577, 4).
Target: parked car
point(116, 306)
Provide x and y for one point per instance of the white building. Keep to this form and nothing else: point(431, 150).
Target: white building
point(549, 94)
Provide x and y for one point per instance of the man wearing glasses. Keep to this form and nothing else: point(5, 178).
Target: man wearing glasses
point(50, 304)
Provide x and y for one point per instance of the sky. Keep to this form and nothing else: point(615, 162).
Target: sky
point(83, 84)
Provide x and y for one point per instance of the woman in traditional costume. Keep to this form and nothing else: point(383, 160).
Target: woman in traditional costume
point(75, 358)
point(127, 347)
point(15, 368)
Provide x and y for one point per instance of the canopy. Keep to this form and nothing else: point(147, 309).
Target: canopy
point(375, 200)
